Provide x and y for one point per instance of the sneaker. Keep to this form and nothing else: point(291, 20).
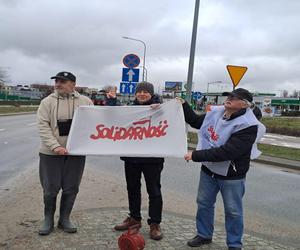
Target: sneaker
point(198, 241)
point(155, 232)
point(127, 223)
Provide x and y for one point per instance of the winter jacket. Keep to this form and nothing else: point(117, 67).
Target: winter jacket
point(237, 149)
point(111, 101)
point(145, 160)
point(47, 116)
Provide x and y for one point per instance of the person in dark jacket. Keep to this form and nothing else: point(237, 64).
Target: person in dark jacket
point(151, 168)
point(256, 111)
point(111, 96)
point(226, 137)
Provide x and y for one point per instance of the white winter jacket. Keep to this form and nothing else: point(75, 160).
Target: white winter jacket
point(48, 114)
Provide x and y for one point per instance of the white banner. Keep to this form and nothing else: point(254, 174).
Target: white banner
point(129, 131)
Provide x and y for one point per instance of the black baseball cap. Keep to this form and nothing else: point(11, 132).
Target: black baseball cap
point(68, 76)
point(240, 93)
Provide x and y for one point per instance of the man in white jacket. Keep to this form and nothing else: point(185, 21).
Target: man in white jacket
point(57, 169)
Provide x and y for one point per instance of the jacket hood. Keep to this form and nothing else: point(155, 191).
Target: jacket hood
point(56, 95)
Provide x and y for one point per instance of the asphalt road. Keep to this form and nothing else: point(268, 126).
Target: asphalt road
point(272, 195)
point(18, 144)
point(274, 139)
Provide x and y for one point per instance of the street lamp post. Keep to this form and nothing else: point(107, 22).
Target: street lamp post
point(144, 59)
point(146, 75)
point(192, 53)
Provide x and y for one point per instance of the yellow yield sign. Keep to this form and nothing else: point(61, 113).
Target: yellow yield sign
point(236, 73)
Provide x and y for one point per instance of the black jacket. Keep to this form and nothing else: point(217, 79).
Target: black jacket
point(237, 149)
point(145, 160)
point(111, 101)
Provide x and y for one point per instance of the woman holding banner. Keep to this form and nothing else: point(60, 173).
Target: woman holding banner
point(151, 168)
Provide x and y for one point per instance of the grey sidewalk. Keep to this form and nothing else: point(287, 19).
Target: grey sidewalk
point(95, 232)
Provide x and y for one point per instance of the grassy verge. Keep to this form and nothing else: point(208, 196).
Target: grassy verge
point(270, 150)
point(281, 122)
point(192, 138)
point(12, 109)
point(280, 152)
point(280, 125)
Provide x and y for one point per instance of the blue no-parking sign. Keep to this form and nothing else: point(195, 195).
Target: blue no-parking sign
point(131, 60)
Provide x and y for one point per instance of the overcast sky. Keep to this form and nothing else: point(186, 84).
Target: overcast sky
point(39, 38)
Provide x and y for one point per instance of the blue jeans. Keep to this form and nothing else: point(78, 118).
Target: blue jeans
point(232, 192)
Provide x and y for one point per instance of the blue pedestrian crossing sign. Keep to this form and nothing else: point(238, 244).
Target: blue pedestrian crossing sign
point(127, 87)
point(130, 75)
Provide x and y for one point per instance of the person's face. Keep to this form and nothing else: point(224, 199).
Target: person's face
point(64, 86)
point(143, 96)
point(234, 103)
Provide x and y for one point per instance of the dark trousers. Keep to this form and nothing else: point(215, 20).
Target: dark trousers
point(60, 172)
point(152, 175)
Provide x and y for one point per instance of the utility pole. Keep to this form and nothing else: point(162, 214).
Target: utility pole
point(192, 53)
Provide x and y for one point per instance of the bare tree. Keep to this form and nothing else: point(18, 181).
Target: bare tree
point(285, 93)
point(295, 94)
point(3, 76)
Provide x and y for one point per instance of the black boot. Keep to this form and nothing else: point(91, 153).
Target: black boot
point(49, 210)
point(198, 241)
point(66, 205)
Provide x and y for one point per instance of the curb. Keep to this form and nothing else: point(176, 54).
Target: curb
point(269, 160)
point(19, 113)
point(278, 162)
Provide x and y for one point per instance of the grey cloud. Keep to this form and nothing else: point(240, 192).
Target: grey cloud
point(46, 36)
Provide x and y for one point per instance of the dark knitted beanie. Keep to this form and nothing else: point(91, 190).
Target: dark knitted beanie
point(145, 86)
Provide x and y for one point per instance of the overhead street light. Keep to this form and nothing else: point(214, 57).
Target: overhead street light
point(146, 75)
point(192, 53)
point(144, 59)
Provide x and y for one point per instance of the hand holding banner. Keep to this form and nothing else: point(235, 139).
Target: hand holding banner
point(129, 131)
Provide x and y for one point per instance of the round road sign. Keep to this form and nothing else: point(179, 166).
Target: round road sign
point(131, 60)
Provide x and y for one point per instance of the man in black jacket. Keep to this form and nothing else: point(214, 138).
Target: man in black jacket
point(226, 136)
point(151, 169)
point(111, 96)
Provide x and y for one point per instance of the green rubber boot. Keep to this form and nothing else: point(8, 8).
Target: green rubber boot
point(66, 206)
point(49, 210)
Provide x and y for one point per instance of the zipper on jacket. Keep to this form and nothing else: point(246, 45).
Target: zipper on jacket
point(233, 166)
point(68, 106)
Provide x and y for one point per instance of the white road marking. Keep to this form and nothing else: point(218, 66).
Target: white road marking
point(2, 129)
